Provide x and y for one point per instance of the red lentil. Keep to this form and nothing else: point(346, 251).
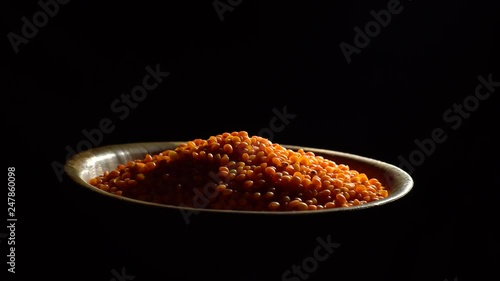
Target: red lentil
point(241, 172)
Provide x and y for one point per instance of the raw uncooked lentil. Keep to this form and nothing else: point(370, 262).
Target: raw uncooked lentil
point(235, 171)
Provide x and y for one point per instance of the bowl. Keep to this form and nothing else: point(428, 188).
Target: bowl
point(174, 240)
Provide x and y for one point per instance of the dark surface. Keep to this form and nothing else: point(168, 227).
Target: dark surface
point(230, 75)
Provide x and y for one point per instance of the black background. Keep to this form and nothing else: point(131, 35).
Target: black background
point(229, 76)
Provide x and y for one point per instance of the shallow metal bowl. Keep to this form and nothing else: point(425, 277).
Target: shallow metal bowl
point(88, 164)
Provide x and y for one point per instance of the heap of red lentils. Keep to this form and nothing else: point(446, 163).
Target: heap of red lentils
point(235, 171)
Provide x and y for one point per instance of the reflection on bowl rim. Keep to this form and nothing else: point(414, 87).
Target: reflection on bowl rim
point(84, 158)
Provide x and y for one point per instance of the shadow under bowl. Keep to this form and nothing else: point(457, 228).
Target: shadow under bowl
point(187, 242)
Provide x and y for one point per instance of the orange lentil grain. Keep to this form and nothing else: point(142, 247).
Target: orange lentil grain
point(246, 173)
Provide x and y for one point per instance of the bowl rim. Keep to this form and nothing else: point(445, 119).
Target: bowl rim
point(72, 165)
